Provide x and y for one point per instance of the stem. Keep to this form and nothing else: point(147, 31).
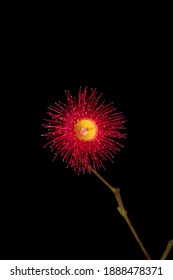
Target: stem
point(122, 210)
point(167, 250)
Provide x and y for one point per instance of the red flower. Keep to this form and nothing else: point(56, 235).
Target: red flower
point(84, 133)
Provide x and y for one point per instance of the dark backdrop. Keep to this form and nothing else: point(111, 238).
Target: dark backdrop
point(49, 212)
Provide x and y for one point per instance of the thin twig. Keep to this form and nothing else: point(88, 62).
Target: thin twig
point(167, 250)
point(122, 211)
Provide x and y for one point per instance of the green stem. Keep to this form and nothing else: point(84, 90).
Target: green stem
point(167, 250)
point(122, 211)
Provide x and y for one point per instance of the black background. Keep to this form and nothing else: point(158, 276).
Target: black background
point(49, 212)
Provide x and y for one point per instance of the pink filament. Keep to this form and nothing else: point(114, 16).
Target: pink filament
point(61, 133)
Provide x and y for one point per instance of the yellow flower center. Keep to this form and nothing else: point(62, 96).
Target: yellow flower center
point(86, 130)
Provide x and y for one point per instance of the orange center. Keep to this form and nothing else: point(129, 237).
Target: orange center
point(85, 130)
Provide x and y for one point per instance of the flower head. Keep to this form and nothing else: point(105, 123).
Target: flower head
point(83, 132)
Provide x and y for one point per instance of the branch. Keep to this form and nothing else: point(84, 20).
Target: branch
point(167, 250)
point(122, 211)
